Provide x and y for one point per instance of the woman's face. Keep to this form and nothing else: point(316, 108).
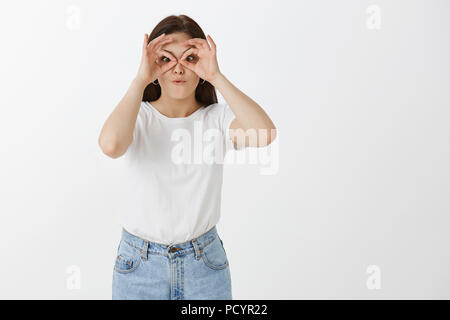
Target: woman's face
point(187, 88)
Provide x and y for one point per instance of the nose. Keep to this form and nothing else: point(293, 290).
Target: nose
point(178, 68)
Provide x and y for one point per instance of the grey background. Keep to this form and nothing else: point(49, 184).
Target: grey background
point(362, 116)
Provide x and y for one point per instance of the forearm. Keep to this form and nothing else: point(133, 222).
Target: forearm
point(117, 132)
point(247, 112)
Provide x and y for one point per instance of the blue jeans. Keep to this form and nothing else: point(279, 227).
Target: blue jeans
point(195, 269)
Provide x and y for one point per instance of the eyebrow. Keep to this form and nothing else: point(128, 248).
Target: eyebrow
point(181, 53)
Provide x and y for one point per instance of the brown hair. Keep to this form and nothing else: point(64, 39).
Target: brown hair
point(204, 93)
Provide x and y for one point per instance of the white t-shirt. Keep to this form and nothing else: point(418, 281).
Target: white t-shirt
point(171, 201)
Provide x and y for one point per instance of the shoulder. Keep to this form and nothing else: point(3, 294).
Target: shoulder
point(143, 118)
point(216, 110)
point(212, 112)
point(221, 114)
point(144, 107)
point(144, 111)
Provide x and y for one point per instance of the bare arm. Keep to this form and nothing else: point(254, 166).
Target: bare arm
point(117, 132)
point(258, 130)
point(251, 126)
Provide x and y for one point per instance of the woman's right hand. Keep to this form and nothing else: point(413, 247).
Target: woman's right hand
point(152, 66)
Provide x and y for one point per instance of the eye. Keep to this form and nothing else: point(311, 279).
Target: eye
point(162, 59)
point(191, 56)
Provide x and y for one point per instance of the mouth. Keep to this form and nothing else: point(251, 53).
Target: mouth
point(179, 82)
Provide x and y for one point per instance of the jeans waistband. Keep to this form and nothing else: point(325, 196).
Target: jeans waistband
point(195, 244)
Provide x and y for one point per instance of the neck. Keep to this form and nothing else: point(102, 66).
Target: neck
point(175, 108)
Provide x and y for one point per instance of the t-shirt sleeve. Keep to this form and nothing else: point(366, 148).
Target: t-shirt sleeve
point(227, 116)
point(138, 131)
point(138, 123)
point(135, 130)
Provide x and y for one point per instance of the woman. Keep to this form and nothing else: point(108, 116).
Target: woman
point(170, 248)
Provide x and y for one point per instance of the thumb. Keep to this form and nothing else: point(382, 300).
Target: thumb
point(145, 41)
point(168, 66)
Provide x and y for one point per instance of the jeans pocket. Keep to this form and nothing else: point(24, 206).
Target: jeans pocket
point(128, 258)
point(214, 255)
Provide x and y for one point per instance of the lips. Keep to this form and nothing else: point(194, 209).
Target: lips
point(178, 81)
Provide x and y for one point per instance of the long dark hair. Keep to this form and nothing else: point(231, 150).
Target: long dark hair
point(204, 93)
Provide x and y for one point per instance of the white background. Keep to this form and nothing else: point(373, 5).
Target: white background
point(363, 122)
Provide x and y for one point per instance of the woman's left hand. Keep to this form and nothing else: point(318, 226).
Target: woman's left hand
point(205, 63)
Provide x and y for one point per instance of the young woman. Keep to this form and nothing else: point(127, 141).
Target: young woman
point(170, 248)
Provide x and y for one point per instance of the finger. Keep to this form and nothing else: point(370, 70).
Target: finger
point(161, 53)
point(196, 45)
point(168, 66)
point(213, 44)
point(189, 65)
point(145, 41)
point(198, 42)
point(158, 47)
point(191, 51)
point(157, 40)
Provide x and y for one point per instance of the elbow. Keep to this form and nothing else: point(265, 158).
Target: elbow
point(108, 147)
point(271, 135)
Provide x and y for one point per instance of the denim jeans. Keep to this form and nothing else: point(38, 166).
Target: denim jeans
point(195, 269)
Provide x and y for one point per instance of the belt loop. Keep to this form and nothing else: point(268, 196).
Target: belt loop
point(144, 251)
point(196, 249)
